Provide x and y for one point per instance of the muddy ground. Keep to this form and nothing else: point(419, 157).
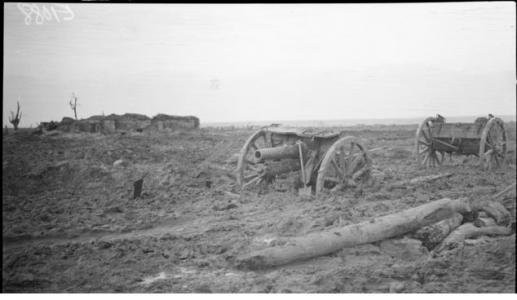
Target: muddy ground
point(70, 223)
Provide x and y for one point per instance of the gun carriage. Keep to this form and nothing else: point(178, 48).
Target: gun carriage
point(324, 159)
point(485, 138)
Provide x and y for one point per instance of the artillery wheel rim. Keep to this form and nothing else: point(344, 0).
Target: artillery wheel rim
point(492, 147)
point(346, 162)
point(425, 154)
point(249, 168)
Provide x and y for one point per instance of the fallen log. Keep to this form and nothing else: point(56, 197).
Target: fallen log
point(470, 231)
point(418, 180)
point(326, 242)
point(432, 235)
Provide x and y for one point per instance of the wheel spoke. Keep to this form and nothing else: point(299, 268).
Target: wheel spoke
point(341, 158)
point(348, 159)
point(338, 169)
point(424, 150)
point(424, 143)
point(435, 159)
point(353, 165)
point(496, 159)
point(351, 149)
point(426, 159)
point(360, 172)
point(490, 145)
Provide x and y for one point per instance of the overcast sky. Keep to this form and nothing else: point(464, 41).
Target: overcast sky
point(254, 62)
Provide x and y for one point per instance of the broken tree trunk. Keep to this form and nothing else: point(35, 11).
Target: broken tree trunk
point(418, 180)
point(469, 231)
point(432, 235)
point(326, 242)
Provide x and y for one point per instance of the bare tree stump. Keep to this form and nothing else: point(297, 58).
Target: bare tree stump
point(137, 188)
point(73, 104)
point(15, 118)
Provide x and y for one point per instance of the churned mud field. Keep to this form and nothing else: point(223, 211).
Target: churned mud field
point(71, 224)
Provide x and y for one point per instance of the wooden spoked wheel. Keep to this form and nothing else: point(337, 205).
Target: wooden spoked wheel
point(424, 152)
point(345, 164)
point(250, 170)
point(492, 147)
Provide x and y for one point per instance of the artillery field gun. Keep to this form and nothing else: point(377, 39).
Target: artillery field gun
point(325, 159)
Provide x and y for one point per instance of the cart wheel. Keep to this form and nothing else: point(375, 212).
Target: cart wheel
point(250, 170)
point(424, 152)
point(345, 163)
point(492, 147)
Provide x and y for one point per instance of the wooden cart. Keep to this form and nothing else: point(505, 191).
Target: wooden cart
point(325, 159)
point(485, 138)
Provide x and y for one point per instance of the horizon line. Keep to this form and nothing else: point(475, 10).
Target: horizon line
point(514, 116)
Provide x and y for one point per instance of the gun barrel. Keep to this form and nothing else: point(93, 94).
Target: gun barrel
point(288, 151)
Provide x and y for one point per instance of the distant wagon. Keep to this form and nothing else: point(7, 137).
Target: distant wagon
point(485, 138)
point(325, 159)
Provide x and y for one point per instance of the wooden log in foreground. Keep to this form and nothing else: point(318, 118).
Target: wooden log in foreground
point(326, 242)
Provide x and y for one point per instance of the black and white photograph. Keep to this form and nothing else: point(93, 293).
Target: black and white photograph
point(254, 148)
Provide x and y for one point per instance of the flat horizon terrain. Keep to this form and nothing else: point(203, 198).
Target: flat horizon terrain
point(70, 223)
point(351, 122)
